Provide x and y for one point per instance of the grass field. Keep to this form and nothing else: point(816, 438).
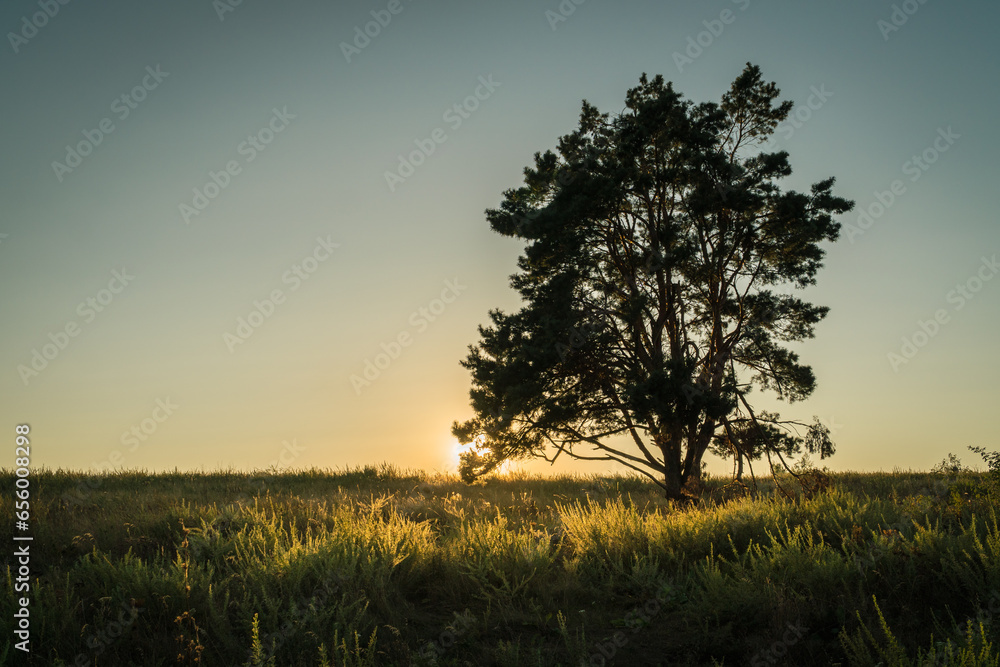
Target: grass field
point(382, 567)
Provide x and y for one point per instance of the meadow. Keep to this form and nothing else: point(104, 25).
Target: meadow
point(378, 566)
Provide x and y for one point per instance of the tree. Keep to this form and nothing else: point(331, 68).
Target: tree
point(658, 276)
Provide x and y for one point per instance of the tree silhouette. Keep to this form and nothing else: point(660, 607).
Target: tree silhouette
point(657, 277)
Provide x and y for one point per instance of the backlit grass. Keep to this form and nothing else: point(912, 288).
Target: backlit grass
point(382, 567)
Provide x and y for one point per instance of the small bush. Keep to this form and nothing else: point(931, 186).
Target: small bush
point(950, 466)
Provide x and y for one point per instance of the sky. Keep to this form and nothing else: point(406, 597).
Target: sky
point(214, 214)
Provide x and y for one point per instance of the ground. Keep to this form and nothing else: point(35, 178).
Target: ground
point(383, 567)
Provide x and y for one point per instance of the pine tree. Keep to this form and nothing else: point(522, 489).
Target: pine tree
point(658, 274)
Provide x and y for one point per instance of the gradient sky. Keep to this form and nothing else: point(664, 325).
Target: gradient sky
point(285, 393)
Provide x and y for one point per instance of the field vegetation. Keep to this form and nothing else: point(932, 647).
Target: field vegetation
point(378, 566)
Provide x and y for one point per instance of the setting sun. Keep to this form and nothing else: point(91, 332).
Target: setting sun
point(457, 449)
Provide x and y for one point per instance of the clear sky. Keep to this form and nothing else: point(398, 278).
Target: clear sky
point(276, 138)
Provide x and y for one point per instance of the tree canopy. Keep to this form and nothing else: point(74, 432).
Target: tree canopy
point(658, 280)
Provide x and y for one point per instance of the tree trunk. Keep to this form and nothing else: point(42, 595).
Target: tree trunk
point(669, 446)
point(674, 486)
point(693, 484)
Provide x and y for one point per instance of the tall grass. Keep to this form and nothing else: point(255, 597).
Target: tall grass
point(384, 567)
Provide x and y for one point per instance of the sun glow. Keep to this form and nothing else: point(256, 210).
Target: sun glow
point(457, 449)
